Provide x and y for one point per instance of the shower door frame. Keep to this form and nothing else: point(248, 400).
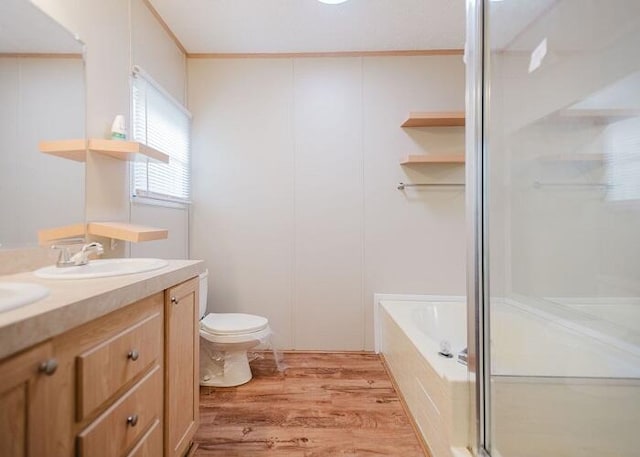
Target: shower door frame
point(478, 331)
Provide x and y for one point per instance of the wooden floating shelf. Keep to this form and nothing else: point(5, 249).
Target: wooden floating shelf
point(126, 232)
point(433, 158)
point(45, 236)
point(435, 119)
point(127, 150)
point(121, 150)
point(116, 230)
point(67, 149)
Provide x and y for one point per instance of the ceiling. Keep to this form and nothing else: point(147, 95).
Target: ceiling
point(24, 29)
point(286, 26)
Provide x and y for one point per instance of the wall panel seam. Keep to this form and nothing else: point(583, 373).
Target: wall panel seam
point(294, 276)
point(363, 211)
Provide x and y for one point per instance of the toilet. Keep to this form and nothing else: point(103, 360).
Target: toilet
point(225, 339)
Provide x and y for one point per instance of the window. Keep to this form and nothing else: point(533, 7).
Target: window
point(159, 121)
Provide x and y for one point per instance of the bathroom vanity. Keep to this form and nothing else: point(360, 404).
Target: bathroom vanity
point(102, 367)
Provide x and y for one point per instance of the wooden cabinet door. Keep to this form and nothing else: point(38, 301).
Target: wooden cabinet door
point(182, 366)
point(151, 443)
point(23, 419)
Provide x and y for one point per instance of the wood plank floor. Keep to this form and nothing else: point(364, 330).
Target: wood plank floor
point(323, 405)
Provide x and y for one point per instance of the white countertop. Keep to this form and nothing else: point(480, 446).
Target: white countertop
point(75, 302)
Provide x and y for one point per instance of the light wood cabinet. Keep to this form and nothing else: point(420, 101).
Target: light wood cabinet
point(95, 374)
point(23, 379)
point(123, 424)
point(182, 365)
point(107, 367)
point(123, 385)
point(151, 443)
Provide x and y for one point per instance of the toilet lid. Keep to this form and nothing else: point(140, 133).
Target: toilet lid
point(233, 323)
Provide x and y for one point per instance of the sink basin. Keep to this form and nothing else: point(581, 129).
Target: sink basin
point(15, 294)
point(102, 268)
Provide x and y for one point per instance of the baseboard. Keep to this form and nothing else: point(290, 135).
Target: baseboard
point(315, 351)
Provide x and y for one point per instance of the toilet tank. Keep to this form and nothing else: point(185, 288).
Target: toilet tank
point(203, 292)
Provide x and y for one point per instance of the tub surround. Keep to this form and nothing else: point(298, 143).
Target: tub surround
point(73, 303)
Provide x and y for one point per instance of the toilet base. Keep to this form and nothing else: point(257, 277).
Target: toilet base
point(231, 370)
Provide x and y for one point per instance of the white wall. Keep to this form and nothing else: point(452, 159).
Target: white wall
point(296, 211)
point(119, 34)
point(104, 28)
point(154, 50)
point(41, 98)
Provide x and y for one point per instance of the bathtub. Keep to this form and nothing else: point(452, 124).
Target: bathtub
point(434, 388)
point(571, 380)
point(561, 378)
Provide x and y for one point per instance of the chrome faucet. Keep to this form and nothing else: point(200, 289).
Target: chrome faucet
point(82, 257)
point(463, 356)
point(65, 259)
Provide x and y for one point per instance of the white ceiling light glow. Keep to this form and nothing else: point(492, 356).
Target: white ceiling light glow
point(332, 2)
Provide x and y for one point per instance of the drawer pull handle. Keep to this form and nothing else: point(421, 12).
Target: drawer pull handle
point(133, 355)
point(132, 420)
point(174, 300)
point(49, 367)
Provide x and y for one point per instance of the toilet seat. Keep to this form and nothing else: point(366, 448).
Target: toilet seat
point(234, 328)
point(232, 324)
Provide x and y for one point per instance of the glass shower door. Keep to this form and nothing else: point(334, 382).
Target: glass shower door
point(562, 225)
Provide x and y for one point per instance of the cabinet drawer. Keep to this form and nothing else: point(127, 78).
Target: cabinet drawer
point(151, 443)
point(124, 423)
point(106, 368)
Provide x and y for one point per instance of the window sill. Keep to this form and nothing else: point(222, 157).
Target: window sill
point(147, 201)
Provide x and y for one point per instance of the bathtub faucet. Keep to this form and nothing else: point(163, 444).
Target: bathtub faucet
point(463, 356)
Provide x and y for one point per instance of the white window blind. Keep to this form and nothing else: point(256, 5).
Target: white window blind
point(161, 122)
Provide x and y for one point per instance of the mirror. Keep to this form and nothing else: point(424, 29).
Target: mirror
point(42, 97)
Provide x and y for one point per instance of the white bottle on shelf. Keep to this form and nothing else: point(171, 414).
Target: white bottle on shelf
point(119, 128)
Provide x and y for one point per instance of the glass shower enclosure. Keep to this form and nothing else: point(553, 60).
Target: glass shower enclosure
point(553, 174)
